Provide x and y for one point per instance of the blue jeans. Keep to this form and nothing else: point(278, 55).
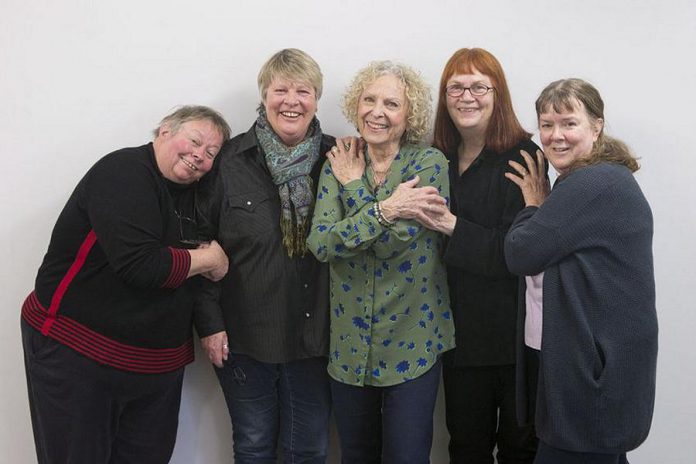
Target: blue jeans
point(389, 425)
point(549, 455)
point(266, 401)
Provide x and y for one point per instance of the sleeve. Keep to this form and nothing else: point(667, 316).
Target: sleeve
point(478, 249)
point(207, 314)
point(431, 166)
point(343, 224)
point(122, 202)
point(568, 220)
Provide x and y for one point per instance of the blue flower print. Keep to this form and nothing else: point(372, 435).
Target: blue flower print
point(422, 259)
point(402, 367)
point(346, 287)
point(405, 266)
point(360, 323)
point(422, 362)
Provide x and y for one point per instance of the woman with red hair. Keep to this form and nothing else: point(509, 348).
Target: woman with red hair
point(477, 129)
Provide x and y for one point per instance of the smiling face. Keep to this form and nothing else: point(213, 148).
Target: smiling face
point(186, 155)
point(290, 107)
point(567, 136)
point(382, 114)
point(468, 112)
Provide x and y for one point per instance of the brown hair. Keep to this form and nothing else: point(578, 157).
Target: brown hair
point(570, 94)
point(504, 130)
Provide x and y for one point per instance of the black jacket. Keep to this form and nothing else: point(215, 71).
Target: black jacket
point(274, 308)
point(483, 291)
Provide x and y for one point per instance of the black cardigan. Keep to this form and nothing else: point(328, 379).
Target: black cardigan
point(483, 291)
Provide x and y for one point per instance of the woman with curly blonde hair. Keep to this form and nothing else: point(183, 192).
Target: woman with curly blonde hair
point(390, 312)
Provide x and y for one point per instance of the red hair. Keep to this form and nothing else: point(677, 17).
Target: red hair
point(504, 130)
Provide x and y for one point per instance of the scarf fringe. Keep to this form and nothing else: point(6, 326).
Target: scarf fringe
point(294, 236)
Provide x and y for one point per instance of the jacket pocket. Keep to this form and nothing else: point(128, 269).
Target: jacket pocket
point(249, 215)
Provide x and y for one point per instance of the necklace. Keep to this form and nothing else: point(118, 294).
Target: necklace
point(379, 176)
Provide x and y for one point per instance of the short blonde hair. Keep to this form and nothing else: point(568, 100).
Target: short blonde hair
point(291, 64)
point(417, 94)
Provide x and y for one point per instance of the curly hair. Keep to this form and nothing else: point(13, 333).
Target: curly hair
point(570, 94)
point(417, 94)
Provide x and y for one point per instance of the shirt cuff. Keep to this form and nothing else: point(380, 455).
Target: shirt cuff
point(181, 264)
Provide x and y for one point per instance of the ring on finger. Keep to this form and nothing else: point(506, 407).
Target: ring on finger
point(334, 149)
point(346, 145)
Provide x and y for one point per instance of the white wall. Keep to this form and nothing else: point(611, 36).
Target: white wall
point(81, 78)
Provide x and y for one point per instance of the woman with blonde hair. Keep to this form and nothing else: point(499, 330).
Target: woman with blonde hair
point(390, 313)
point(265, 326)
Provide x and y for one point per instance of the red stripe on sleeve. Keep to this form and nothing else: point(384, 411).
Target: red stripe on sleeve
point(181, 264)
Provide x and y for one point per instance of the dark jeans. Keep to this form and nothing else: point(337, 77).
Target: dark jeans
point(390, 425)
point(480, 412)
point(266, 401)
point(550, 455)
point(84, 412)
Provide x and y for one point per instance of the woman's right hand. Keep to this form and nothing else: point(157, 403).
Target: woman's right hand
point(532, 179)
point(347, 159)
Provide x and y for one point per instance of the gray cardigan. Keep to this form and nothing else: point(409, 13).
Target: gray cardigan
point(592, 237)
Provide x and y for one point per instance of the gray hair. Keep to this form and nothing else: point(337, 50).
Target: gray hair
point(189, 113)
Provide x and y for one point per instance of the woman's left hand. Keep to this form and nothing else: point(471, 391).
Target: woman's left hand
point(532, 179)
point(347, 159)
point(438, 218)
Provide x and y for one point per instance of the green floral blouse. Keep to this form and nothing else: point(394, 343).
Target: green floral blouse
point(390, 308)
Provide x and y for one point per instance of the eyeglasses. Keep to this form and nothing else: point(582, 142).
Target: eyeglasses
point(188, 230)
point(477, 90)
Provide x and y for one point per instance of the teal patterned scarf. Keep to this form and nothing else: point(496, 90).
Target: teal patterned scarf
point(290, 168)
